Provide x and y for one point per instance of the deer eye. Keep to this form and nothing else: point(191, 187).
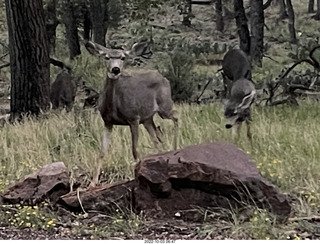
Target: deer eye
point(107, 58)
point(123, 58)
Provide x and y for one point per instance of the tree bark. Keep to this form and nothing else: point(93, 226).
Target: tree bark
point(29, 58)
point(257, 27)
point(311, 6)
point(70, 23)
point(99, 19)
point(219, 17)
point(292, 30)
point(242, 26)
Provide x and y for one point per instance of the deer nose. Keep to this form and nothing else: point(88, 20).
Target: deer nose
point(115, 70)
point(228, 126)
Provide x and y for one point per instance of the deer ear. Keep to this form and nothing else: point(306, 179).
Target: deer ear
point(247, 100)
point(95, 49)
point(141, 49)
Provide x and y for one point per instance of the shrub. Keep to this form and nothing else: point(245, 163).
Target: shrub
point(178, 69)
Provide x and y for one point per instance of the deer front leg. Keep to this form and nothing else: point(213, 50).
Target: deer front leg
point(236, 131)
point(249, 135)
point(105, 142)
point(134, 128)
point(176, 132)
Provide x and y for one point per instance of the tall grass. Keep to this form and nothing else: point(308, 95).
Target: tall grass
point(286, 149)
point(286, 145)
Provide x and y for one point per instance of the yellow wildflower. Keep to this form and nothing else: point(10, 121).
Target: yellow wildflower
point(50, 222)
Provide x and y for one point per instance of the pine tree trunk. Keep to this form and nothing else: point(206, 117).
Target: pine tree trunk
point(242, 25)
point(71, 29)
point(29, 58)
point(257, 27)
point(317, 17)
point(86, 22)
point(219, 17)
point(292, 30)
point(311, 6)
point(99, 19)
point(283, 12)
point(51, 24)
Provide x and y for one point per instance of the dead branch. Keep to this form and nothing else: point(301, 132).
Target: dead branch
point(4, 65)
point(52, 61)
point(203, 90)
point(267, 4)
point(311, 60)
point(4, 55)
point(59, 64)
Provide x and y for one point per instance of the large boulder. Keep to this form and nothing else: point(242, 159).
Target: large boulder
point(49, 182)
point(207, 175)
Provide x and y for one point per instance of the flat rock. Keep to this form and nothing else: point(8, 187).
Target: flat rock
point(51, 181)
point(206, 175)
point(105, 198)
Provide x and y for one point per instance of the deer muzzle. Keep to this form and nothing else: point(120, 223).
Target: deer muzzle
point(115, 70)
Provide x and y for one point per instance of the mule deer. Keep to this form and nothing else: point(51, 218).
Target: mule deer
point(235, 65)
point(63, 91)
point(240, 90)
point(131, 100)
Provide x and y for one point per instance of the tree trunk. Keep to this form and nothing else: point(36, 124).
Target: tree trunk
point(311, 6)
point(99, 19)
point(51, 24)
point(71, 29)
point(242, 26)
point(317, 17)
point(219, 17)
point(267, 4)
point(292, 30)
point(86, 22)
point(283, 12)
point(188, 13)
point(29, 58)
point(257, 26)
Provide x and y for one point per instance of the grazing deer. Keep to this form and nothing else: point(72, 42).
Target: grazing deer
point(63, 91)
point(235, 65)
point(131, 100)
point(240, 90)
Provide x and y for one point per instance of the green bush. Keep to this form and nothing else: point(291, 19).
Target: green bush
point(177, 67)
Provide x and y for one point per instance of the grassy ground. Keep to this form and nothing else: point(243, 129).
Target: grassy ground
point(285, 148)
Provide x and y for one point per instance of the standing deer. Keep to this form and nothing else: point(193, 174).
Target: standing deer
point(240, 90)
point(131, 100)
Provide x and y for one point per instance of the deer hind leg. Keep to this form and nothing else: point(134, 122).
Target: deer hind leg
point(134, 128)
point(171, 115)
point(154, 132)
point(105, 142)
